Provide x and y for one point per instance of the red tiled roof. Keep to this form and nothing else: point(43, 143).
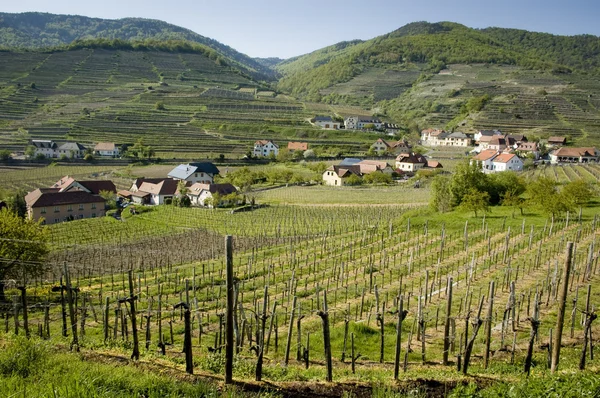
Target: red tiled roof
point(504, 157)
point(298, 146)
point(485, 155)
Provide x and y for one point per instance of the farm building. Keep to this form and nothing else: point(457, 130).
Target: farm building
point(265, 148)
point(106, 149)
point(297, 146)
point(335, 175)
point(153, 191)
point(362, 123)
point(410, 162)
point(507, 162)
point(55, 206)
point(431, 137)
point(72, 150)
point(67, 184)
point(45, 147)
point(574, 155)
point(203, 172)
point(202, 194)
point(382, 146)
point(326, 122)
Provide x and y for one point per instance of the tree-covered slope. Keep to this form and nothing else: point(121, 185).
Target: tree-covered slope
point(35, 30)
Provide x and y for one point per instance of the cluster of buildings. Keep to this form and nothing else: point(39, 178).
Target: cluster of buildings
point(354, 123)
point(406, 163)
point(267, 148)
point(72, 150)
point(70, 199)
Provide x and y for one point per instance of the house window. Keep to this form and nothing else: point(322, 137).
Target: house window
point(70, 208)
point(43, 211)
point(93, 206)
point(56, 209)
point(56, 220)
point(80, 216)
point(93, 215)
point(81, 206)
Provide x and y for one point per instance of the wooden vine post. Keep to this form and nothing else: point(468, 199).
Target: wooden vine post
point(488, 325)
point(447, 322)
point(229, 312)
point(261, 337)
point(469, 348)
point(324, 314)
point(187, 337)
point(535, 323)
point(289, 336)
point(72, 318)
point(131, 300)
point(24, 307)
point(401, 315)
point(562, 302)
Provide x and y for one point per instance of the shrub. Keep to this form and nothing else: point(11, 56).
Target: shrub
point(159, 106)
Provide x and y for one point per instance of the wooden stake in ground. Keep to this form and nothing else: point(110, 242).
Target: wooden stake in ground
point(261, 337)
point(289, 336)
point(187, 337)
point(324, 314)
point(73, 320)
point(535, 323)
point(229, 311)
point(488, 325)
point(587, 330)
point(131, 300)
point(401, 315)
point(469, 348)
point(447, 322)
point(562, 302)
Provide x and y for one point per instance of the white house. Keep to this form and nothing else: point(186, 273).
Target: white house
point(360, 123)
point(73, 150)
point(200, 193)
point(382, 146)
point(410, 162)
point(433, 137)
point(45, 147)
point(202, 172)
point(486, 159)
point(264, 148)
point(326, 122)
point(335, 175)
point(153, 191)
point(506, 162)
point(106, 149)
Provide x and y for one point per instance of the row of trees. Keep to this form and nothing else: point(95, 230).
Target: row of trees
point(470, 189)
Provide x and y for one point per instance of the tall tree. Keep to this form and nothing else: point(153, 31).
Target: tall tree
point(23, 247)
point(467, 176)
point(475, 201)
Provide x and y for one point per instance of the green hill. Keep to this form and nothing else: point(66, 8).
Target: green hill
point(36, 30)
point(424, 74)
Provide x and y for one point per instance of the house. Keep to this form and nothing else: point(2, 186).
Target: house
point(506, 162)
point(265, 148)
point(434, 164)
point(297, 146)
point(525, 148)
point(485, 135)
point(72, 150)
point(335, 175)
point(558, 141)
point(574, 155)
point(45, 147)
point(410, 162)
point(362, 123)
point(485, 158)
point(382, 146)
point(106, 149)
point(200, 194)
point(203, 172)
point(153, 191)
point(326, 122)
point(432, 137)
point(55, 206)
point(371, 166)
point(67, 184)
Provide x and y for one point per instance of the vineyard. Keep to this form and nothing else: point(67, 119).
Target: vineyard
point(295, 266)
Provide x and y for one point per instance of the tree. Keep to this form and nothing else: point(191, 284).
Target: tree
point(15, 201)
point(475, 201)
point(543, 193)
point(30, 151)
point(467, 176)
point(23, 247)
point(159, 106)
point(377, 178)
point(577, 192)
point(110, 198)
point(183, 200)
point(309, 154)
point(512, 198)
point(5, 154)
point(441, 197)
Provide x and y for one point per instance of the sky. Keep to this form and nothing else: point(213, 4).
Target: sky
point(287, 28)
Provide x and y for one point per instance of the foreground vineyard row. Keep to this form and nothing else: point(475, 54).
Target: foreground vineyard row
point(363, 262)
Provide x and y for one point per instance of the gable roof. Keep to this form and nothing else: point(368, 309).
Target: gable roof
point(45, 197)
point(105, 146)
point(575, 152)
point(221, 189)
point(139, 181)
point(322, 119)
point(505, 158)
point(44, 144)
point(345, 171)
point(557, 140)
point(184, 171)
point(298, 146)
point(413, 158)
point(488, 154)
point(98, 186)
point(167, 186)
point(265, 142)
point(71, 146)
point(370, 166)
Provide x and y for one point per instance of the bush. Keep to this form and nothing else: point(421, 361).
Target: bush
point(159, 106)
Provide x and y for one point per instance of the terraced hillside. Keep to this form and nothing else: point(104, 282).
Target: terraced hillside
point(179, 103)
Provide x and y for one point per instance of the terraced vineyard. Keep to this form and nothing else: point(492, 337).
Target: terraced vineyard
point(94, 95)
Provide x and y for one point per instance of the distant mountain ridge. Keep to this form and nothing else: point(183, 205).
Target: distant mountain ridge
point(37, 30)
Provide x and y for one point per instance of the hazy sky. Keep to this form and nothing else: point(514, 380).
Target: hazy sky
point(286, 28)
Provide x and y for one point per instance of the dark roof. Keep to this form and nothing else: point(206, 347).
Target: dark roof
point(349, 161)
point(139, 181)
point(96, 187)
point(44, 197)
point(345, 171)
point(206, 167)
point(71, 146)
point(44, 144)
point(184, 171)
point(322, 119)
point(411, 158)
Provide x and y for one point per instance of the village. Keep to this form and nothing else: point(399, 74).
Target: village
point(193, 184)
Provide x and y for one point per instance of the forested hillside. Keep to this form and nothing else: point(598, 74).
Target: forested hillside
point(34, 30)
